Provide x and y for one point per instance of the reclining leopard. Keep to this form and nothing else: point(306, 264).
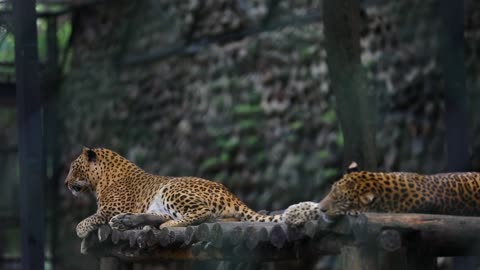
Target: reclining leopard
point(122, 188)
point(395, 192)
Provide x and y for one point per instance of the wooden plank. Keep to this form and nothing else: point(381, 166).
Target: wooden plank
point(29, 119)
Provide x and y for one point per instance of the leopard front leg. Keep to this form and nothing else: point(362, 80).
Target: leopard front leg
point(125, 221)
point(89, 224)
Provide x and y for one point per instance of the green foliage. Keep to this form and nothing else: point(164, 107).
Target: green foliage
point(322, 154)
point(296, 125)
point(329, 117)
point(209, 163)
point(247, 124)
point(228, 144)
point(64, 30)
point(7, 47)
point(340, 139)
point(247, 109)
point(329, 172)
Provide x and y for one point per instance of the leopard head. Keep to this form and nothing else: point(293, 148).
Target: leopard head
point(348, 196)
point(79, 178)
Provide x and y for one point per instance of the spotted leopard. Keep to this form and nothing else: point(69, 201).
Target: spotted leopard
point(396, 192)
point(122, 187)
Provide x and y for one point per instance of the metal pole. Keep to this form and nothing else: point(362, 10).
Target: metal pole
point(452, 59)
point(30, 135)
point(50, 88)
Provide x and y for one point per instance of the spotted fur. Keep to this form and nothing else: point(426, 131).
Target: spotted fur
point(298, 214)
point(122, 187)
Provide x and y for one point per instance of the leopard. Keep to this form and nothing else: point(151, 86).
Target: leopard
point(357, 191)
point(124, 191)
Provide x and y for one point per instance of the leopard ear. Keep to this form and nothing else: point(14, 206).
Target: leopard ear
point(353, 167)
point(367, 198)
point(91, 155)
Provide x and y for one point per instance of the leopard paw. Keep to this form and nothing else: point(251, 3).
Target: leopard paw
point(82, 230)
point(124, 221)
point(353, 213)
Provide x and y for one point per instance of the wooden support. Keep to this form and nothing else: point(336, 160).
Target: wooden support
point(441, 235)
point(371, 240)
point(356, 258)
point(104, 232)
point(277, 236)
point(112, 263)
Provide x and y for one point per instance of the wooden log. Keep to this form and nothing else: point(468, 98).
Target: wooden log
point(165, 237)
point(295, 234)
point(190, 235)
point(146, 238)
point(104, 232)
point(132, 238)
point(171, 237)
point(203, 231)
point(115, 236)
point(277, 236)
point(125, 235)
point(389, 240)
point(177, 236)
point(197, 248)
point(217, 236)
point(442, 235)
point(254, 236)
point(236, 236)
point(89, 242)
point(339, 225)
point(310, 228)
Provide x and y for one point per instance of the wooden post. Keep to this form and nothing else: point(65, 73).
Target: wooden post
point(112, 263)
point(359, 258)
point(355, 98)
point(29, 119)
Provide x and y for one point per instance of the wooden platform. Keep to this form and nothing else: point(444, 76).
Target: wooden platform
point(374, 241)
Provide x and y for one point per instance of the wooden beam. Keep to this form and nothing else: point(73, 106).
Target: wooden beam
point(441, 235)
point(29, 119)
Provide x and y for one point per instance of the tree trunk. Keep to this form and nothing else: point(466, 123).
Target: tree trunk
point(355, 98)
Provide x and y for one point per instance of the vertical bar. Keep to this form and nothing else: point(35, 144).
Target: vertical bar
point(30, 136)
point(51, 134)
point(452, 59)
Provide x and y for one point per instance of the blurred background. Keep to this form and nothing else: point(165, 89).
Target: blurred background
point(234, 91)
